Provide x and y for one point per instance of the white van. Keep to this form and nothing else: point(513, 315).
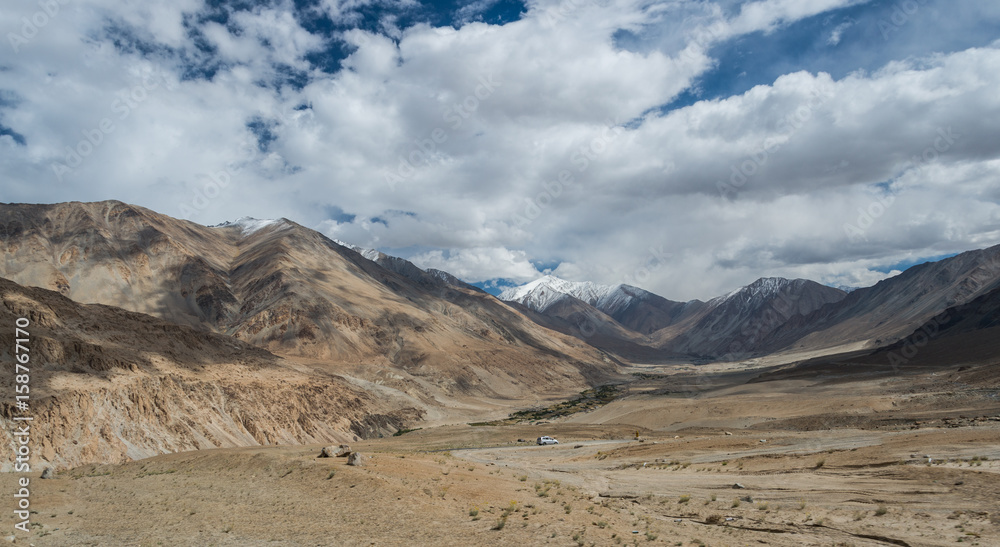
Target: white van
point(545, 439)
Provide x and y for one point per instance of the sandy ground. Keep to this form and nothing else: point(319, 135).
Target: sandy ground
point(888, 460)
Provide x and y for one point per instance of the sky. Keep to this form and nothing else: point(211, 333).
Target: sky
point(686, 147)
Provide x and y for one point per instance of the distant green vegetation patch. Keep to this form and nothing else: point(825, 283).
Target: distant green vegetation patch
point(405, 431)
point(587, 400)
point(648, 376)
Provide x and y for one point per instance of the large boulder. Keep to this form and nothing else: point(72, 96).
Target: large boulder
point(356, 459)
point(335, 451)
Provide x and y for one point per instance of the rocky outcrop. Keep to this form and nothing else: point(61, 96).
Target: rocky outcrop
point(335, 451)
point(146, 416)
point(108, 386)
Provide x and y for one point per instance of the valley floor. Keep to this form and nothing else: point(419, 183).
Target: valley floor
point(891, 459)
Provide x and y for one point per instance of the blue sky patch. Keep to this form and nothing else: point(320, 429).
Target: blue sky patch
point(543, 265)
point(495, 286)
point(263, 130)
point(18, 138)
point(338, 215)
point(864, 37)
point(907, 264)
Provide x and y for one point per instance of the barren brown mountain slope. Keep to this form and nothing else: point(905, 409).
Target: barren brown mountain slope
point(894, 307)
point(294, 292)
point(967, 334)
point(574, 317)
point(108, 385)
point(962, 336)
point(735, 325)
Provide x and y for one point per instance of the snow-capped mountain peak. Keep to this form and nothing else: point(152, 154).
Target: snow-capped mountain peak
point(250, 225)
point(545, 291)
point(763, 288)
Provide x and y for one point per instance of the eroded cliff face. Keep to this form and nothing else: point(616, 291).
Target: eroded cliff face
point(140, 417)
point(109, 385)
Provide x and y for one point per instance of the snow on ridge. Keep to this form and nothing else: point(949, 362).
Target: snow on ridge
point(250, 225)
point(720, 299)
point(547, 290)
point(370, 254)
point(765, 287)
point(619, 298)
point(517, 293)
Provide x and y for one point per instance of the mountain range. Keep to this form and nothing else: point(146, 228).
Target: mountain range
point(769, 315)
point(198, 333)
